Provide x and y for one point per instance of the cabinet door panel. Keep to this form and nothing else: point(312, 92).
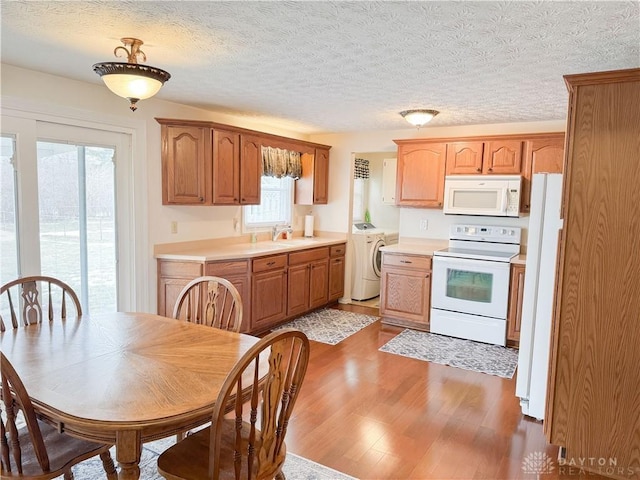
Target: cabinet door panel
point(168, 293)
point(319, 284)
point(541, 155)
point(502, 157)
point(336, 278)
point(298, 291)
point(406, 294)
point(250, 170)
point(464, 158)
point(321, 177)
point(514, 315)
point(420, 179)
point(185, 165)
point(269, 298)
point(226, 168)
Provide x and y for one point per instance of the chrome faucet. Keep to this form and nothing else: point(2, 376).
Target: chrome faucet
point(276, 230)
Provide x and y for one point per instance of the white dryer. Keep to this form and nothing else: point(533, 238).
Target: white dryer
point(367, 262)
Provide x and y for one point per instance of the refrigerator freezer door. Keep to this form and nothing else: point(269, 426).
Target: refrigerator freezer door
point(539, 288)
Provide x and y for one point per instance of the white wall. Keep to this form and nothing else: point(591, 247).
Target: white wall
point(94, 103)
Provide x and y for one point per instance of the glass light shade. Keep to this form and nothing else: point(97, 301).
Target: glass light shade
point(132, 86)
point(131, 80)
point(419, 118)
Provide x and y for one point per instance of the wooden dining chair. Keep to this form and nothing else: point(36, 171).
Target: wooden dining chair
point(30, 300)
point(38, 450)
point(247, 443)
point(211, 301)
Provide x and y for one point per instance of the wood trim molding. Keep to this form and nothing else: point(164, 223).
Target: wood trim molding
point(481, 138)
point(269, 139)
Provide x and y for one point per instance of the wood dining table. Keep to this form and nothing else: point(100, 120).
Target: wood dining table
point(123, 378)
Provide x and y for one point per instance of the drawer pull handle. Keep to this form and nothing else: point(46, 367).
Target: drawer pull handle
point(405, 261)
point(427, 276)
point(270, 264)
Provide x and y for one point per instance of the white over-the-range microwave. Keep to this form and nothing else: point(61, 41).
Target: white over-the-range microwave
point(488, 195)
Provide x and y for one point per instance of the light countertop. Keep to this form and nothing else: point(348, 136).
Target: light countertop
point(212, 252)
point(415, 246)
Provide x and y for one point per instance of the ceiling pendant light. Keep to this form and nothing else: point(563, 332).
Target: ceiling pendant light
point(131, 80)
point(420, 117)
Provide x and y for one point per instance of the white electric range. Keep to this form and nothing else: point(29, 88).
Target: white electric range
point(470, 282)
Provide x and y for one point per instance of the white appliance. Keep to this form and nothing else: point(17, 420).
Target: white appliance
point(470, 284)
point(539, 288)
point(367, 241)
point(489, 195)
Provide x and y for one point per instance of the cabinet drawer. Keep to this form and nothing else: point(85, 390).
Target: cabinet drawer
point(407, 261)
point(338, 250)
point(222, 269)
point(307, 256)
point(169, 268)
point(263, 264)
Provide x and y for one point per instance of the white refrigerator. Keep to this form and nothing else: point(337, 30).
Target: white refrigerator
point(539, 286)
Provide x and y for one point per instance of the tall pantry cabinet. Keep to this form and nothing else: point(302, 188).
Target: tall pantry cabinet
point(593, 403)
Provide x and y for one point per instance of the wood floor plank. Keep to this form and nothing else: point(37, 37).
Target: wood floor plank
point(375, 415)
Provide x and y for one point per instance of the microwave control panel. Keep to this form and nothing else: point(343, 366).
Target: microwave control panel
point(513, 201)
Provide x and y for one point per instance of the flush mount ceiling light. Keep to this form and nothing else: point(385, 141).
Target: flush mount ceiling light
point(131, 80)
point(419, 118)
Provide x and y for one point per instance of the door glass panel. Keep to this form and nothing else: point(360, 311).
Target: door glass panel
point(8, 211)
point(470, 286)
point(76, 191)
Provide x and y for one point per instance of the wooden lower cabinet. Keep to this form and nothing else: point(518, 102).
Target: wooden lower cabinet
point(237, 272)
point(514, 313)
point(173, 276)
point(308, 280)
point(336, 272)
point(273, 288)
point(405, 294)
point(268, 291)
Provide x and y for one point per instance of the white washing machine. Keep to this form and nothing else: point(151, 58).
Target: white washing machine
point(367, 262)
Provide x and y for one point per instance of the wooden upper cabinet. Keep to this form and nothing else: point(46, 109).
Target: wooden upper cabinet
point(464, 158)
point(250, 169)
point(226, 167)
point(206, 163)
point(421, 170)
point(321, 176)
point(313, 187)
point(502, 157)
point(186, 169)
point(541, 155)
point(493, 157)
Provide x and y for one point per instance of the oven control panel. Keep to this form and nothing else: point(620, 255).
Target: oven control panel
point(486, 233)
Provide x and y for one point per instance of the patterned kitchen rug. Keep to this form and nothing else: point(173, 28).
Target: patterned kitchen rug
point(455, 352)
point(330, 325)
point(295, 467)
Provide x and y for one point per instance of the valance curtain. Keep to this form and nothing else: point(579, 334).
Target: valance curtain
point(361, 168)
point(277, 162)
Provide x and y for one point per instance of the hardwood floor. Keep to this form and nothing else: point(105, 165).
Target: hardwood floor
point(375, 415)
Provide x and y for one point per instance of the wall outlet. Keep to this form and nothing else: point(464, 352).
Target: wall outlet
point(174, 227)
point(424, 224)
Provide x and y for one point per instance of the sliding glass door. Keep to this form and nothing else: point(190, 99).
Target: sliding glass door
point(71, 188)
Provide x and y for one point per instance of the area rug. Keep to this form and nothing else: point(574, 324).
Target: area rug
point(295, 467)
point(330, 325)
point(455, 352)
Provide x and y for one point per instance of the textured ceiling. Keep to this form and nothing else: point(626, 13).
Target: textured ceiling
point(340, 66)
